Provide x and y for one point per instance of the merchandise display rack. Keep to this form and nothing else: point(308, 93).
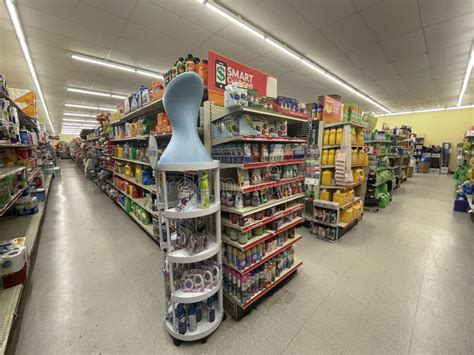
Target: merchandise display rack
point(172, 258)
point(331, 219)
point(288, 209)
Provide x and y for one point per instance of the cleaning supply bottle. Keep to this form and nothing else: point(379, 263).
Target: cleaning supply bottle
point(204, 187)
point(326, 137)
point(324, 159)
point(198, 312)
point(332, 136)
point(180, 66)
point(181, 319)
point(360, 157)
point(331, 156)
point(339, 133)
point(211, 309)
point(338, 197)
point(360, 137)
point(327, 176)
point(192, 321)
point(324, 195)
point(353, 136)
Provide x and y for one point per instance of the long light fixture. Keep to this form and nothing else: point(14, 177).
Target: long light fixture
point(470, 64)
point(79, 114)
point(426, 110)
point(78, 120)
point(26, 53)
point(97, 108)
point(97, 93)
point(290, 52)
point(115, 65)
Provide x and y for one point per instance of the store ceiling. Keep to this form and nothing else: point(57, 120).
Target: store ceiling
point(405, 54)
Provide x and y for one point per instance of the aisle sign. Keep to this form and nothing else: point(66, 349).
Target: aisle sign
point(332, 109)
point(223, 71)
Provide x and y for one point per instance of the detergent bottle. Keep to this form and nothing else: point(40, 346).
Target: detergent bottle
point(138, 173)
point(331, 156)
point(327, 176)
point(325, 195)
point(361, 156)
point(354, 156)
point(324, 159)
point(339, 133)
point(360, 137)
point(326, 137)
point(338, 197)
point(332, 136)
point(128, 170)
point(353, 136)
point(120, 151)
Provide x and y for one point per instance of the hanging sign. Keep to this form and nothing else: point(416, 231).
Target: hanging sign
point(223, 71)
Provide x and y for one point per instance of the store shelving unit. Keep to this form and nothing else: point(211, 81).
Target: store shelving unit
point(181, 256)
point(337, 229)
point(25, 120)
point(289, 209)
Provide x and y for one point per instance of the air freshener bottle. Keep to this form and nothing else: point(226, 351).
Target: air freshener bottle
point(192, 321)
point(211, 310)
point(239, 200)
point(181, 319)
point(204, 187)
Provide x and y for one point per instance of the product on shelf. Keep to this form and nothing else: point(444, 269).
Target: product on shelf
point(250, 125)
point(243, 153)
point(187, 64)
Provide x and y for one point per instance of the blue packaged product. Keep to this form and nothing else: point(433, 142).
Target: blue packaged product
point(211, 309)
point(181, 319)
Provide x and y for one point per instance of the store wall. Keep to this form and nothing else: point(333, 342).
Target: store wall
point(67, 137)
point(438, 127)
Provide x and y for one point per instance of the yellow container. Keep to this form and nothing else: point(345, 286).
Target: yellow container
point(138, 173)
point(325, 195)
point(354, 156)
point(128, 170)
point(361, 156)
point(326, 178)
point(361, 174)
point(346, 215)
point(338, 197)
point(324, 158)
point(360, 137)
point(120, 151)
point(366, 160)
point(339, 133)
point(353, 136)
point(331, 156)
point(326, 137)
point(356, 211)
point(355, 175)
point(350, 195)
point(332, 136)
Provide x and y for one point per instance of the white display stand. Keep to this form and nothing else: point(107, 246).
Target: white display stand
point(181, 256)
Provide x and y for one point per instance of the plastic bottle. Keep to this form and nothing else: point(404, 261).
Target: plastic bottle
point(327, 176)
point(204, 187)
point(181, 319)
point(198, 312)
point(332, 136)
point(174, 70)
point(211, 309)
point(180, 66)
point(360, 137)
point(192, 322)
point(331, 156)
point(326, 137)
point(353, 136)
point(324, 195)
point(339, 134)
point(190, 66)
point(324, 159)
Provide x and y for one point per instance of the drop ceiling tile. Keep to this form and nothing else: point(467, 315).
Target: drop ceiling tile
point(436, 11)
point(363, 4)
point(167, 23)
point(349, 34)
point(267, 66)
point(369, 56)
point(333, 59)
point(241, 37)
point(407, 45)
point(333, 11)
point(392, 84)
point(449, 33)
point(121, 9)
point(226, 48)
point(412, 64)
point(389, 19)
point(452, 55)
point(381, 71)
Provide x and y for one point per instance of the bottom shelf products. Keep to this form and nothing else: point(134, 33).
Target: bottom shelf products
point(244, 287)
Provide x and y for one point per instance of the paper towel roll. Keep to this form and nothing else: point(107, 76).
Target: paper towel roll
point(13, 261)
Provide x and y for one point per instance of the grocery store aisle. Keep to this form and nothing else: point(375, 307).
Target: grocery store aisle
point(401, 281)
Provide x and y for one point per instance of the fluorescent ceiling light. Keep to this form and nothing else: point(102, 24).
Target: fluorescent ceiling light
point(426, 110)
point(234, 19)
point(79, 114)
point(282, 47)
point(97, 93)
point(26, 53)
point(98, 108)
point(466, 76)
point(114, 65)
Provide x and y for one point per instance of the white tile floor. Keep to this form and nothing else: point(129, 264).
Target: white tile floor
point(401, 282)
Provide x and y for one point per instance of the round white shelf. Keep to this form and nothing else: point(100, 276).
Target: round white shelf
point(193, 297)
point(204, 328)
point(188, 167)
point(198, 212)
point(182, 257)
